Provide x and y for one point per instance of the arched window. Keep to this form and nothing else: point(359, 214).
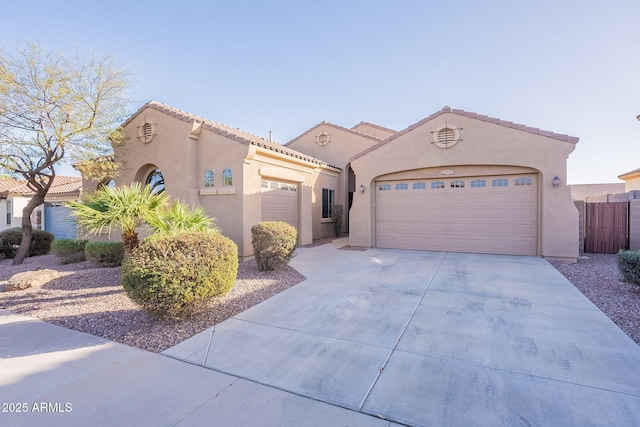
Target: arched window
point(155, 180)
point(208, 178)
point(227, 178)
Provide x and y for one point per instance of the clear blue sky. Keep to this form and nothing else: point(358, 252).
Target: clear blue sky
point(569, 66)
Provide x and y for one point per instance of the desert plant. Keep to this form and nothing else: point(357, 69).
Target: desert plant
point(105, 254)
point(124, 207)
point(179, 218)
point(69, 250)
point(173, 275)
point(337, 213)
point(274, 243)
point(11, 238)
point(629, 265)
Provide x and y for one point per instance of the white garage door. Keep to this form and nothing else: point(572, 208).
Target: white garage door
point(485, 214)
point(280, 202)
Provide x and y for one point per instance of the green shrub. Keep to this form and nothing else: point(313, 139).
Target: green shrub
point(174, 275)
point(105, 254)
point(629, 265)
point(69, 250)
point(11, 238)
point(274, 243)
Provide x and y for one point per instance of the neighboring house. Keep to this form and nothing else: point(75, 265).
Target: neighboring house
point(455, 181)
point(631, 180)
point(53, 216)
point(595, 192)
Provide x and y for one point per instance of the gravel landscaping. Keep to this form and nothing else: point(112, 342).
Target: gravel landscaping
point(91, 300)
point(597, 276)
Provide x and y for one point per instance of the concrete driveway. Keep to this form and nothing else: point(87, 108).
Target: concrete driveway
point(428, 338)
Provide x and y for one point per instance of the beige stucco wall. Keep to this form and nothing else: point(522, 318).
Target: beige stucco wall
point(343, 146)
point(631, 183)
point(493, 147)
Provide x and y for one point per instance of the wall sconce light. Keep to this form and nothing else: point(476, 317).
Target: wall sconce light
point(556, 182)
point(361, 188)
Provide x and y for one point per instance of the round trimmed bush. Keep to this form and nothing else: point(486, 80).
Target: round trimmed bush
point(104, 254)
point(69, 250)
point(11, 238)
point(174, 275)
point(274, 243)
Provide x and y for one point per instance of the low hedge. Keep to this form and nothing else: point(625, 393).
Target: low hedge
point(69, 250)
point(104, 254)
point(174, 275)
point(11, 238)
point(629, 265)
point(274, 243)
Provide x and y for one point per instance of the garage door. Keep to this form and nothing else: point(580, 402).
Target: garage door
point(485, 214)
point(280, 202)
point(59, 221)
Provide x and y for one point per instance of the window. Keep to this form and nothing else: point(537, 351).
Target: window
point(477, 183)
point(457, 184)
point(209, 178)
point(9, 212)
point(437, 184)
point(523, 181)
point(227, 178)
point(327, 202)
point(500, 183)
point(384, 187)
point(419, 185)
point(155, 180)
point(402, 186)
point(264, 184)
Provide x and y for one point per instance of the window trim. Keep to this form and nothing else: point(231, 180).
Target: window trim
point(227, 177)
point(328, 200)
point(209, 183)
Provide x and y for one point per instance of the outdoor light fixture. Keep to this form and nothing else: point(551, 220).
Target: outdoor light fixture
point(361, 188)
point(556, 182)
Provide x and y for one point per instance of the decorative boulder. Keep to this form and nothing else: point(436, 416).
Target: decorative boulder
point(27, 279)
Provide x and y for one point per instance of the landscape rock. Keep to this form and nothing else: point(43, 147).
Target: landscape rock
point(27, 279)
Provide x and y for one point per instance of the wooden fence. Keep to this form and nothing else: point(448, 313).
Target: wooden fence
point(606, 227)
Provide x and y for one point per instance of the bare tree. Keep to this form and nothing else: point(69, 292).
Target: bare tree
point(55, 109)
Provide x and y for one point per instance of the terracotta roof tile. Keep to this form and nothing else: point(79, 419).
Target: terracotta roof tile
point(61, 185)
point(325, 123)
point(476, 116)
point(234, 134)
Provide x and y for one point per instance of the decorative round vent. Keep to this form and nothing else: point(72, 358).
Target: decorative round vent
point(446, 136)
point(146, 131)
point(323, 139)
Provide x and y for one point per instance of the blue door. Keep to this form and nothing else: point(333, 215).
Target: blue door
point(59, 221)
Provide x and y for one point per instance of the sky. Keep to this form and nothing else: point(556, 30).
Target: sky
point(568, 66)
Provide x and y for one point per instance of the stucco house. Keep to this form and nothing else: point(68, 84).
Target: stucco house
point(454, 181)
point(53, 216)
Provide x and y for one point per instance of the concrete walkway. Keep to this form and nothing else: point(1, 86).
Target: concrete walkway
point(371, 338)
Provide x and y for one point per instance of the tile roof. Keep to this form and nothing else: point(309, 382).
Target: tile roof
point(226, 131)
point(373, 125)
point(324, 123)
point(627, 174)
point(61, 185)
point(476, 116)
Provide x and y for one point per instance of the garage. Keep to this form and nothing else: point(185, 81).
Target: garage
point(280, 201)
point(58, 221)
point(494, 214)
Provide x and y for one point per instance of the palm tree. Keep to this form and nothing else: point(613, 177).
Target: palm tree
point(179, 217)
point(124, 207)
